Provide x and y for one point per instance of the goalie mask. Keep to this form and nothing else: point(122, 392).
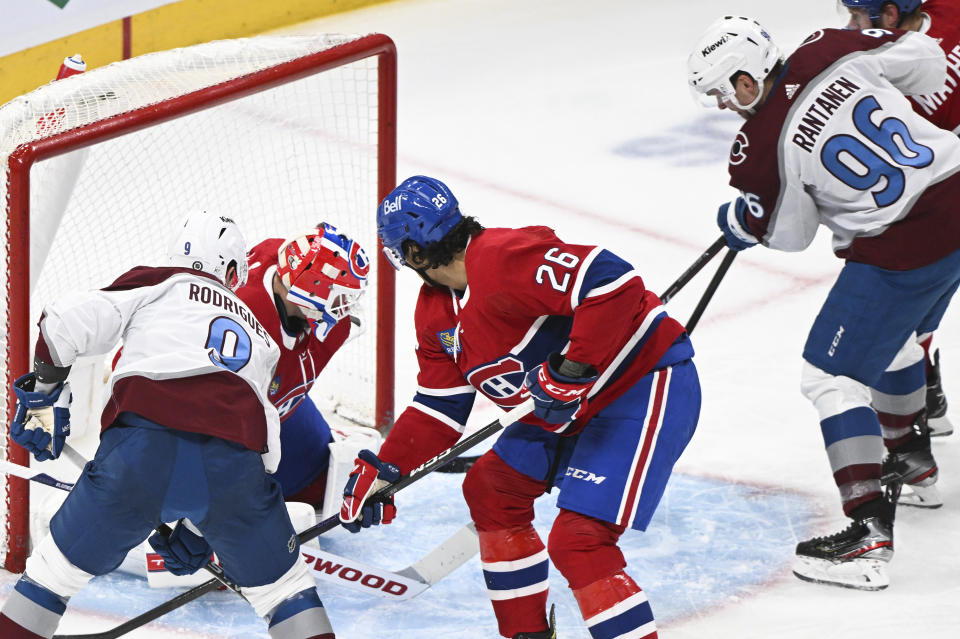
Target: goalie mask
point(730, 45)
point(211, 243)
point(325, 273)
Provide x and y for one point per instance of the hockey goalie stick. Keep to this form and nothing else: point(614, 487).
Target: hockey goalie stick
point(328, 567)
point(326, 525)
point(463, 464)
point(400, 585)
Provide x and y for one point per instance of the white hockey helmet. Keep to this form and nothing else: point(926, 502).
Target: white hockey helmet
point(729, 45)
point(210, 243)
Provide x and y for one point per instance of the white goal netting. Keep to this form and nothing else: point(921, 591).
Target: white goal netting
point(277, 158)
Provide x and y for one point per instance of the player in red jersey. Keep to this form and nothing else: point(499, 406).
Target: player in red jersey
point(939, 19)
point(515, 313)
point(830, 138)
point(303, 290)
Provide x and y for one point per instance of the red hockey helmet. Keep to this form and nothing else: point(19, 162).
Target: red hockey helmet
point(325, 273)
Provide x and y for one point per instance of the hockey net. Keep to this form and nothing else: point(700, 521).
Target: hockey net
point(278, 133)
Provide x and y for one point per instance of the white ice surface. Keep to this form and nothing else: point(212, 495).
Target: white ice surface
point(576, 115)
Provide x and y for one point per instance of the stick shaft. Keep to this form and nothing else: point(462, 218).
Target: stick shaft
point(694, 268)
point(711, 289)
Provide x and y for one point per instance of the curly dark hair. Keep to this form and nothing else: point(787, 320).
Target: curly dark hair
point(442, 252)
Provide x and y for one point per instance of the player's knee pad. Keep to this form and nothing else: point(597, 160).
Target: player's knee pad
point(498, 496)
point(50, 568)
point(832, 394)
point(265, 598)
point(300, 616)
point(584, 549)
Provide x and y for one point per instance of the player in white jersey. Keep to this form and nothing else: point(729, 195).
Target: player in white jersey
point(188, 433)
point(831, 139)
point(939, 19)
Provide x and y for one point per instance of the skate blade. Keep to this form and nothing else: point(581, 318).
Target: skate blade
point(920, 496)
point(859, 574)
point(940, 426)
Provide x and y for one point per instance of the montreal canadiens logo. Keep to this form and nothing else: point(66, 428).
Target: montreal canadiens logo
point(738, 152)
point(501, 381)
point(359, 264)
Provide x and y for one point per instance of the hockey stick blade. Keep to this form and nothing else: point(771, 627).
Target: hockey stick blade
point(331, 522)
point(403, 584)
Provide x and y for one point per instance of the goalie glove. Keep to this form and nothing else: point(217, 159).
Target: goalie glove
point(184, 552)
point(369, 475)
point(41, 423)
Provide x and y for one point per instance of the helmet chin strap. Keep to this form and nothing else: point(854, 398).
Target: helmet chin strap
point(422, 272)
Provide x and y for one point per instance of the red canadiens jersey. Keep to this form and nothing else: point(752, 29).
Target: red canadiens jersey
point(302, 356)
point(942, 23)
point(837, 143)
point(529, 294)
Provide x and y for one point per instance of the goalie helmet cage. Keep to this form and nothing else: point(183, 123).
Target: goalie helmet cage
point(278, 132)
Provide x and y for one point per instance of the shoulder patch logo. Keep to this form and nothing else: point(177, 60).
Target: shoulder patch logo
point(791, 90)
point(448, 339)
point(813, 37)
point(738, 152)
point(274, 385)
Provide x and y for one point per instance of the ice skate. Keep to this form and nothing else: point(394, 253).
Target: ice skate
point(855, 557)
point(937, 419)
point(913, 466)
point(549, 633)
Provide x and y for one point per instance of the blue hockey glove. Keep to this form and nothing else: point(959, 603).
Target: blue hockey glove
point(732, 220)
point(369, 475)
point(557, 398)
point(42, 421)
point(184, 552)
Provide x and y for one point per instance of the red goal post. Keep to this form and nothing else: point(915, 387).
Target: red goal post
point(279, 132)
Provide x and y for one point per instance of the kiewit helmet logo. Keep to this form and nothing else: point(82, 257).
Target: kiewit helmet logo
point(713, 47)
point(392, 206)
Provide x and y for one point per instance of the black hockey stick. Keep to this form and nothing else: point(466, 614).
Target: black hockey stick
point(695, 268)
point(711, 289)
point(327, 524)
point(463, 464)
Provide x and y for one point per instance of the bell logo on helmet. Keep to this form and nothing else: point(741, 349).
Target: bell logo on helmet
point(394, 206)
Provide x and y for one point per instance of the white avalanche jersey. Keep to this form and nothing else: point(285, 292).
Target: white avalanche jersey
point(837, 143)
point(194, 357)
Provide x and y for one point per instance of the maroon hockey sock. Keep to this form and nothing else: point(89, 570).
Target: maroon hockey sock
point(11, 630)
